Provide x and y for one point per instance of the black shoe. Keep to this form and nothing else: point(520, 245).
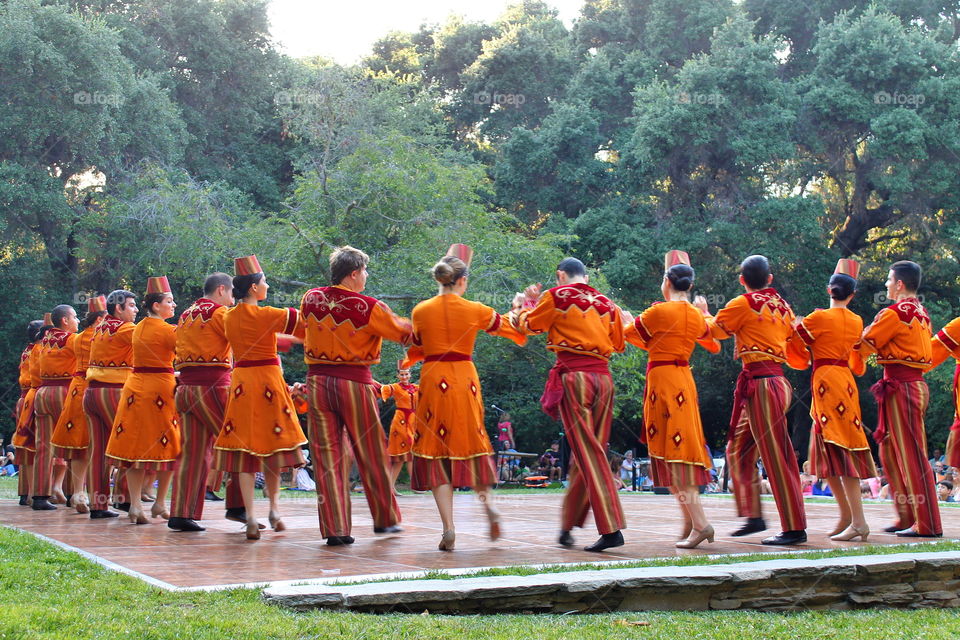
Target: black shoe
point(184, 524)
point(96, 514)
point(41, 503)
point(336, 541)
point(566, 539)
point(606, 541)
point(892, 529)
point(212, 497)
point(123, 506)
point(752, 525)
point(912, 533)
point(391, 529)
point(787, 538)
point(24, 501)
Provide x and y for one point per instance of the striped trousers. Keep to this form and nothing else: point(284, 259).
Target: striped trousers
point(903, 454)
point(762, 430)
point(46, 410)
point(201, 416)
point(587, 414)
point(23, 456)
point(100, 405)
point(337, 407)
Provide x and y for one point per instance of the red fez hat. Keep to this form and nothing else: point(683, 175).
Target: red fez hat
point(246, 266)
point(400, 366)
point(461, 251)
point(48, 319)
point(848, 267)
point(158, 284)
point(97, 303)
point(675, 257)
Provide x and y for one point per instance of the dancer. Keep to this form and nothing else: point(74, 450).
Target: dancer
point(23, 437)
point(839, 451)
point(203, 360)
point(111, 361)
point(946, 344)
point(260, 429)
point(400, 440)
point(71, 436)
point(900, 335)
point(762, 322)
point(57, 365)
point(344, 333)
point(451, 447)
point(146, 428)
point(584, 328)
point(672, 429)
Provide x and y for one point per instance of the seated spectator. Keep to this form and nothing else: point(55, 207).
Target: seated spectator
point(9, 464)
point(865, 492)
point(628, 471)
point(945, 491)
point(549, 463)
point(807, 480)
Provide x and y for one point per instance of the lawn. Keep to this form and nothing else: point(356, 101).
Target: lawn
point(49, 593)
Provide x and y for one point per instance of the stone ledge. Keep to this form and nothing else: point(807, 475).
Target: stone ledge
point(895, 580)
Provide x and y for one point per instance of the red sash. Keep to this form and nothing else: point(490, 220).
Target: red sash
point(567, 362)
point(889, 384)
point(747, 386)
point(355, 372)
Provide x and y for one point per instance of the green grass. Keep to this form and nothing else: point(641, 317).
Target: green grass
point(49, 593)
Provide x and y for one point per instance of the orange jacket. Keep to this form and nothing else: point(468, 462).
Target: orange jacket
point(900, 334)
point(761, 323)
point(111, 351)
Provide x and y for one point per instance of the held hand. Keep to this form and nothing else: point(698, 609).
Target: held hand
point(533, 292)
point(518, 300)
point(701, 303)
point(626, 316)
point(798, 321)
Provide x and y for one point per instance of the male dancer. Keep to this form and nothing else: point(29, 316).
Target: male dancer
point(944, 344)
point(203, 360)
point(111, 361)
point(344, 334)
point(761, 322)
point(900, 336)
point(583, 328)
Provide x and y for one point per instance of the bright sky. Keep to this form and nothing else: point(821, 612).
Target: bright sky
point(345, 29)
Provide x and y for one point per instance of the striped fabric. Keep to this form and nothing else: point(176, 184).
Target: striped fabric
point(478, 472)
point(587, 413)
point(201, 416)
point(678, 475)
point(762, 431)
point(339, 406)
point(100, 405)
point(903, 454)
point(953, 448)
point(47, 406)
point(24, 458)
point(828, 460)
point(243, 462)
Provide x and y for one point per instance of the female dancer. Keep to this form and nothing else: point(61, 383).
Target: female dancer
point(839, 450)
point(400, 441)
point(146, 429)
point(23, 437)
point(451, 447)
point(260, 427)
point(672, 430)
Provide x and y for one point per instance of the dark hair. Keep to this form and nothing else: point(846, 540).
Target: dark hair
point(909, 273)
point(755, 271)
point(215, 280)
point(842, 286)
point(344, 261)
point(118, 298)
point(242, 284)
point(680, 276)
point(947, 484)
point(151, 299)
point(449, 270)
point(59, 312)
point(91, 318)
point(33, 328)
point(572, 267)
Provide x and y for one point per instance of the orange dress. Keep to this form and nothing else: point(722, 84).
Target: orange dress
point(23, 380)
point(260, 423)
point(400, 442)
point(146, 429)
point(673, 431)
point(830, 338)
point(449, 419)
point(944, 344)
point(71, 436)
point(24, 436)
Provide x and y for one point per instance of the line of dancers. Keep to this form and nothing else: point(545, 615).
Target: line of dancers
point(179, 402)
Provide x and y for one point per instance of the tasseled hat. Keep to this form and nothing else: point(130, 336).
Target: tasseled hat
point(97, 303)
point(246, 266)
point(848, 267)
point(461, 251)
point(675, 257)
point(158, 284)
point(48, 319)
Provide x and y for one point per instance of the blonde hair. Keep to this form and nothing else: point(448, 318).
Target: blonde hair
point(449, 270)
point(344, 261)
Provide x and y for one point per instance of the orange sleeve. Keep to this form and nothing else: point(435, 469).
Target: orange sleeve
point(946, 343)
point(640, 332)
point(707, 341)
point(496, 326)
point(386, 391)
point(170, 338)
point(538, 319)
point(881, 331)
point(857, 363)
point(414, 355)
point(617, 338)
point(386, 324)
point(803, 337)
point(728, 320)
